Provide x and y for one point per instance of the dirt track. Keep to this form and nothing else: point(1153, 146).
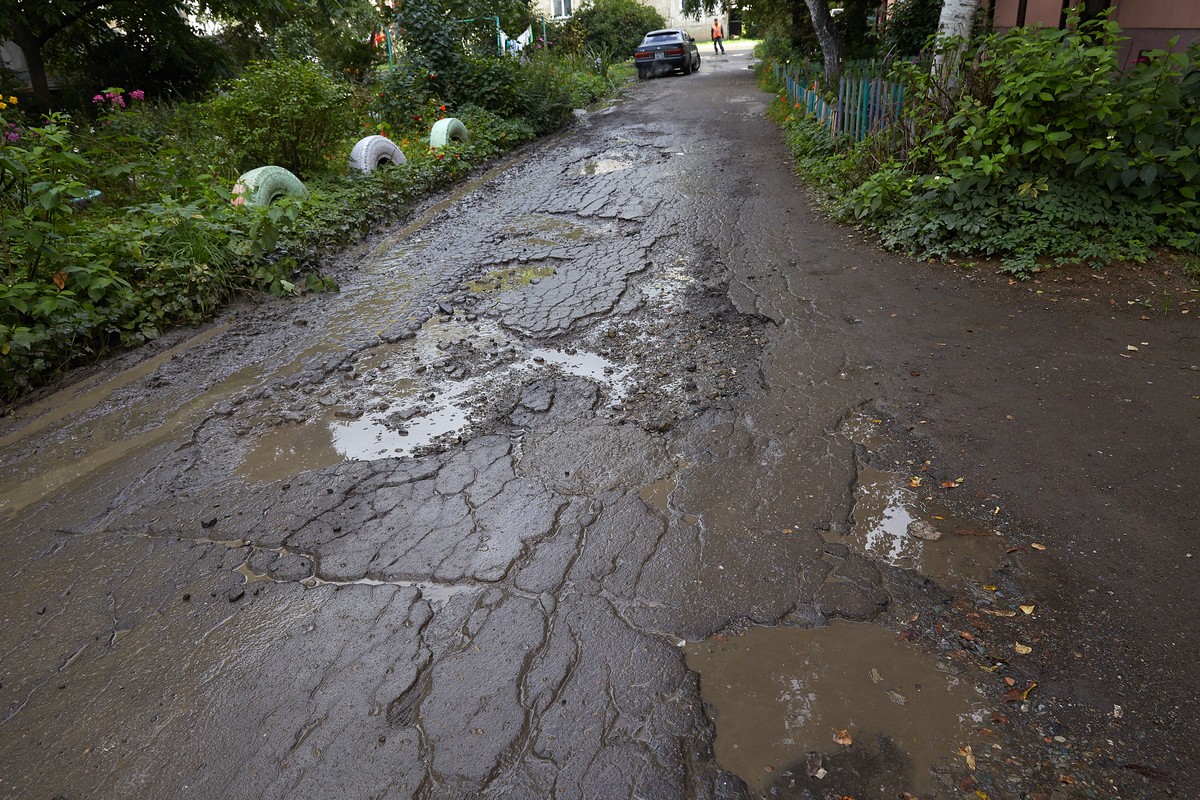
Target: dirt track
point(575, 489)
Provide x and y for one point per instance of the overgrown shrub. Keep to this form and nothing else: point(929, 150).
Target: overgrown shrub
point(910, 24)
point(1038, 150)
point(283, 112)
point(616, 26)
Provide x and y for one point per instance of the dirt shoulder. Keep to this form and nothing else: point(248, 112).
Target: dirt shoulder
point(1071, 406)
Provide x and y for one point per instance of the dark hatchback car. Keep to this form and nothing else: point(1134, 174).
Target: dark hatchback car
point(666, 51)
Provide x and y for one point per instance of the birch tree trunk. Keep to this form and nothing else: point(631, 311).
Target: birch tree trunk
point(953, 23)
point(956, 17)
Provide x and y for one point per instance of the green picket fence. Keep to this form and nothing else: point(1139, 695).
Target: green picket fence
point(866, 101)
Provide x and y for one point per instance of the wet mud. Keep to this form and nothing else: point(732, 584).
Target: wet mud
point(595, 481)
point(781, 696)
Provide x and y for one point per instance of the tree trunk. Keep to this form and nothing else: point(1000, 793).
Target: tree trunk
point(953, 23)
point(956, 18)
point(31, 48)
point(827, 37)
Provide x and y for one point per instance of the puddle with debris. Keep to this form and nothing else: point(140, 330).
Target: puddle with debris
point(778, 694)
point(667, 287)
point(601, 166)
point(330, 439)
point(510, 278)
point(864, 430)
point(550, 227)
point(658, 494)
point(884, 510)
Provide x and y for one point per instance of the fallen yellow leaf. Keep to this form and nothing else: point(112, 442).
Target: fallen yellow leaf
point(1026, 609)
point(989, 587)
point(915, 481)
point(842, 736)
point(966, 753)
point(1022, 649)
point(1037, 546)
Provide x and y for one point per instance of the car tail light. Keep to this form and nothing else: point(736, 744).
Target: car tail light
point(643, 54)
point(674, 51)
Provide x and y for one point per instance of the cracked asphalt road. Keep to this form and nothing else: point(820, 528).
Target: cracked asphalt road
point(443, 534)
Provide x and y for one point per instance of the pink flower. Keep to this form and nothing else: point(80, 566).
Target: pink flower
point(120, 101)
point(98, 98)
point(239, 194)
point(138, 94)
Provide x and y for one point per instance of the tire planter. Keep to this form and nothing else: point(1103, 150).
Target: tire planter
point(265, 185)
point(446, 131)
point(372, 152)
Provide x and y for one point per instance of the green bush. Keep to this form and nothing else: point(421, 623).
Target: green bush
point(283, 112)
point(1038, 150)
point(616, 26)
point(911, 24)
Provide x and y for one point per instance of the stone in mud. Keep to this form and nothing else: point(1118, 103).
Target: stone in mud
point(920, 529)
point(538, 397)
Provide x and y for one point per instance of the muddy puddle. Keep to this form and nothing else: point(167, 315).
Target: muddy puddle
point(413, 416)
point(668, 286)
point(893, 524)
point(602, 166)
point(657, 495)
point(890, 523)
point(778, 695)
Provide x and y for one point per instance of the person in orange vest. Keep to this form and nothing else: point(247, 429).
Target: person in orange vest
point(718, 33)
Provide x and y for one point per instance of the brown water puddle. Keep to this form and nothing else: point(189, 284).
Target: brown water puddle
point(658, 494)
point(86, 394)
point(884, 508)
point(511, 278)
point(103, 442)
point(779, 693)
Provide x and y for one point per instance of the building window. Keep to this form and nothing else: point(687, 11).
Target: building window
point(562, 8)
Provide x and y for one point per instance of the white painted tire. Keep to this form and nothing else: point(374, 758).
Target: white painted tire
point(448, 130)
point(265, 185)
point(372, 152)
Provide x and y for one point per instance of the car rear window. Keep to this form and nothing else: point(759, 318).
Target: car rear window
point(662, 36)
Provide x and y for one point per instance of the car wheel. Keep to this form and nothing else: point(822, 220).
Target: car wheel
point(697, 62)
point(265, 185)
point(446, 131)
point(687, 67)
point(643, 73)
point(371, 152)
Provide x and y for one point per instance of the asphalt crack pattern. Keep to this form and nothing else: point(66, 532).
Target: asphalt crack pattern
point(496, 614)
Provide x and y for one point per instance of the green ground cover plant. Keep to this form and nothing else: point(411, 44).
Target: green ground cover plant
point(1037, 150)
point(117, 225)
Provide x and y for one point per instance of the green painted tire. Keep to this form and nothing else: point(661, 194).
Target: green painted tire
point(448, 130)
point(372, 152)
point(265, 185)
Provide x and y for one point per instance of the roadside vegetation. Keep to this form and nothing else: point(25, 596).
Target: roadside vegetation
point(117, 219)
point(1031, 147)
